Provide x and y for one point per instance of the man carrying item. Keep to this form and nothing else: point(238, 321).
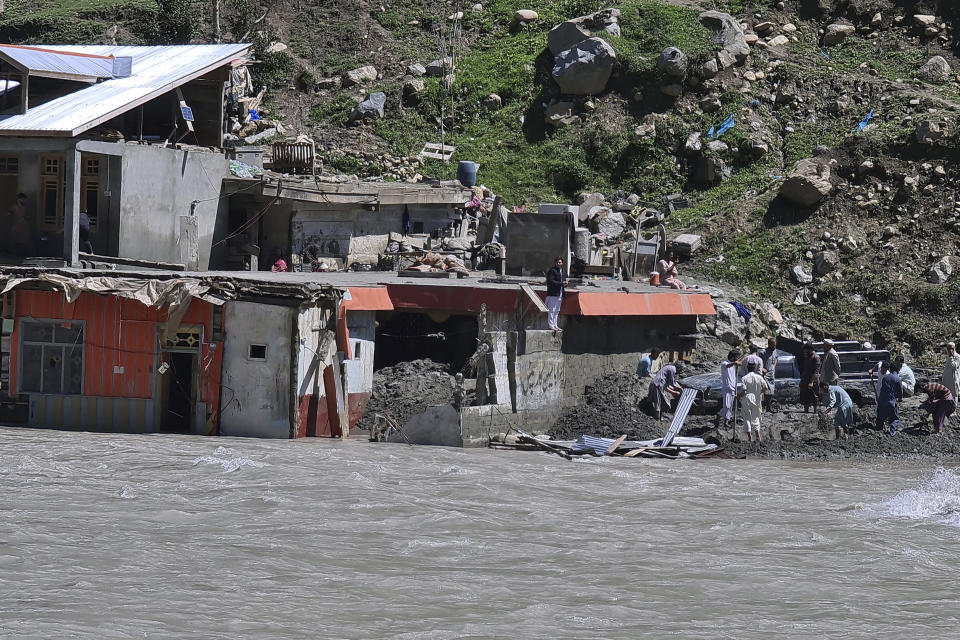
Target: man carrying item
point(728, 384)
point(830, 372)
point(663, 383)
point(907, 379)
point(555, 285)
point(941, 402)
point(646, 363)
point(843, 421)
point(951, 370)
point(754, 388)
point(891, 389)
point(810, 379)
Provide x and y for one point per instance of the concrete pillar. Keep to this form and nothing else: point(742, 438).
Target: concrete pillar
point(71, 208)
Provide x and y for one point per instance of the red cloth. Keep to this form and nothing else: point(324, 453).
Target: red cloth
point(279, 266)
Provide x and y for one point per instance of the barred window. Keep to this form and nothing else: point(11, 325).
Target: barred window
point(51, 357)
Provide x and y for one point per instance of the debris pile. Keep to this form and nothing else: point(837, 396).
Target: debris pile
point(406, 389)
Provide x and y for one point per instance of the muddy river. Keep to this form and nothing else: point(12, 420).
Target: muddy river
point(115, 536)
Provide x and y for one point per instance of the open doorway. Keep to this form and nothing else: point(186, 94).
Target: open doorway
point(179, 394)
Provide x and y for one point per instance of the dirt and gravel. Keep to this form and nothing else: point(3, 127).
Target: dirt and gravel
point(408, 388)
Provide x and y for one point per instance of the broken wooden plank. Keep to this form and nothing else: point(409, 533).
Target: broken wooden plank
point(616, 444)
point(533, 297)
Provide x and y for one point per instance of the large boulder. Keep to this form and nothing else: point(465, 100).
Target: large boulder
point(360, 75)
point(567, 34)
point(439, 67)
point(807, 184)
point(709, 171)
point(612, 224)
point(730, 326)
point(727, 32)
point(571, 32)
point(584, 69)
point(936, 70)
point(672, 62)
point(370, 109)
point(837, 33)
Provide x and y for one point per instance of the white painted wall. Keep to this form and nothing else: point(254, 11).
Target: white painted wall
point(256, 394)
point(362, 328)
point(311, 327)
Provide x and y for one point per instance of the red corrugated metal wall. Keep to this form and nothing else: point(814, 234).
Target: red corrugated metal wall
point(121, 333)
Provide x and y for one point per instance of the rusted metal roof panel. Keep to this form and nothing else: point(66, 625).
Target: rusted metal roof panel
point(155, 71)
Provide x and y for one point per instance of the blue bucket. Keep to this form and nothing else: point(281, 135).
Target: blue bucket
point(467, 173)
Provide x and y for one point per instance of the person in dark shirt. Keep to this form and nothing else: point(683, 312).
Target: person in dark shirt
point(888, 393)
point(555, 285)
point(85, 245)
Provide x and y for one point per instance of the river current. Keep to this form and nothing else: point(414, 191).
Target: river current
point(117, 536)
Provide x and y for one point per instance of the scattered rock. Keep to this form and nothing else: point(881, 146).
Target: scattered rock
point(710, 104)
point(360, 75)
point(693, 144)
point(936, 70)
point(710, 68)
point(888, 232)
point(412, 89)
point(562, 113)
point(646, 129)
point(718, 146)
point(727, 32)
point(929, 132)
point(941, 271)
point(825, 262)
point(807, 184)
point(770, 315)
point(585, 68)
point(672, 90)
point(730, 326)
point(276, 47)
point(439, 67)
point(765, 27)
point(526, 15)
point(493, 102)
point(328, 84)
point(455, 17)
point(837, 33)
point(566, 35)
point(672, 62)
point(709, 171)
point(372, 108)
point(779, 41)
point(416, 70)
point(924, 20)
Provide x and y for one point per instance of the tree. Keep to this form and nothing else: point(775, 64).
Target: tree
point(177, 21)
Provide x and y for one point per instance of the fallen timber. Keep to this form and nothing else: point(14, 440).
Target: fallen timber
point(691, 448)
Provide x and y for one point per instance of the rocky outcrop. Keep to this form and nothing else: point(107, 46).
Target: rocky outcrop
point(727, 33)
point(672, 62)
point(808, 183)
point(585, 68)
point(942, 271)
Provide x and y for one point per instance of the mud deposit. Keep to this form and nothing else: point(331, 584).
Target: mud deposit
point(406, 389)
point(610, 409)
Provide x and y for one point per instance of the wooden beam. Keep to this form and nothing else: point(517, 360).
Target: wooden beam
point(533, 298)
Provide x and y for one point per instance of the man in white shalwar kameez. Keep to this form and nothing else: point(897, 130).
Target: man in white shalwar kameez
point(754, 387)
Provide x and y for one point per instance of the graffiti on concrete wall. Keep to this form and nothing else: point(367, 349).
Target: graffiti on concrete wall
point(540, 380)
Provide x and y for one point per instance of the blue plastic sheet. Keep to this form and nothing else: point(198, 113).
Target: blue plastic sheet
point(254, 116)
point(726, 125)
point(863, 123)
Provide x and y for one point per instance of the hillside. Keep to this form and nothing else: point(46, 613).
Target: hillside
point(815, 69)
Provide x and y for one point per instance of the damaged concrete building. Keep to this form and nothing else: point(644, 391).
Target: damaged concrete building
point(130, 136)
point(207, 354)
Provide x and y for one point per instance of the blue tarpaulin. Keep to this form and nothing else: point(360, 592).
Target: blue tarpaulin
point(742, 310)
point(863, 123)
point(726, 125)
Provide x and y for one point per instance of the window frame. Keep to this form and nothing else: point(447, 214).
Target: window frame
point(23, 342)
point(250, 356)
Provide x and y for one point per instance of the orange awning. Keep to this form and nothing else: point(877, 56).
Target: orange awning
point(667, 303)
point(368, 299)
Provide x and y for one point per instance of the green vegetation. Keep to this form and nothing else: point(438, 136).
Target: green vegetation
point(72, 21)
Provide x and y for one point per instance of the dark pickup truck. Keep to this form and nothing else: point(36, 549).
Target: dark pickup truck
point(855, 365)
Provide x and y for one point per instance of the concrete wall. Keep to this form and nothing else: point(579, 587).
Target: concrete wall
point(262, 387)
point(534, 240)
point(357, 234)
point(158, 186)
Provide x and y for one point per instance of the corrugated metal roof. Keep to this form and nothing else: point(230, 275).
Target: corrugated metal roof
point(155, 71)
point(58, 64)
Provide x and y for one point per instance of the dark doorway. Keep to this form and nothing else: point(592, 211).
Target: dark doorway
point(178, 415)
point(444, 338)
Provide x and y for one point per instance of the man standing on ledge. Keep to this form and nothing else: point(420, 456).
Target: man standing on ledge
point(555, 285)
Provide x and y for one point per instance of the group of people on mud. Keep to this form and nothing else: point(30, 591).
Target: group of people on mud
point(747, 383)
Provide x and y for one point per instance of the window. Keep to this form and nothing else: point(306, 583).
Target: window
point(9, 165)
point(50, 207)
point(91, 167)
point(257, 352)
point(356, 350)
point(51, 357)
point(91, 199)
